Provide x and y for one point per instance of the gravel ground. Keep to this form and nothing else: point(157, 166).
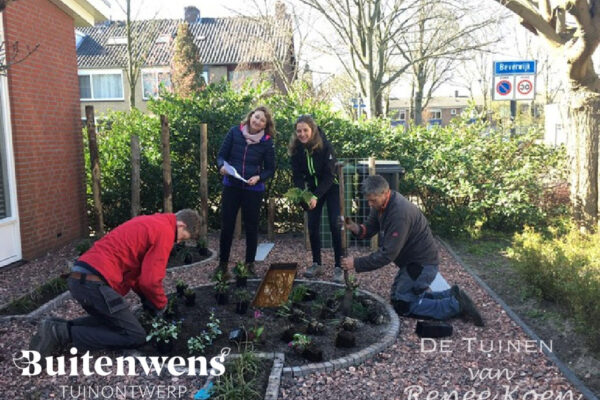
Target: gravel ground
point(409, 369)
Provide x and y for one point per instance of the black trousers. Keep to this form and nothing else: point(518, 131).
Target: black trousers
point(110, 325)
point(250, 202)
point(332, 199)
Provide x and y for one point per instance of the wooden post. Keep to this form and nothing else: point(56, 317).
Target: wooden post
point(166, 165)
point(271, 218)
point(342, 189)
point(95, 166)
point(135, 175)
point(306, 234)
point(204, 181)
point(373, 171)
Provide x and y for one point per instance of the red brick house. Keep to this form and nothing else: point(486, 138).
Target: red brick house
point(42, 193)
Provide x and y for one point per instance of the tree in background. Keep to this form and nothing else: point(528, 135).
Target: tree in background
point(573, 45)
point(186, 69)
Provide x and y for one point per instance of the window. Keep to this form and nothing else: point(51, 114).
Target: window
point(152, 80)
point(435, 114)
point(453, 111)
point(101, 85)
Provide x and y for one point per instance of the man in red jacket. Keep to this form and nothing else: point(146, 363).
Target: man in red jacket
point(133, 256)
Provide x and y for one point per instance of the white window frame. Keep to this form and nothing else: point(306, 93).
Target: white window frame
point(90, 72)
point(453, 111)
point(153, 71)
point(434, 111)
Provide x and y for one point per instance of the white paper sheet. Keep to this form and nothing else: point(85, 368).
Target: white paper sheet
point(233, 172)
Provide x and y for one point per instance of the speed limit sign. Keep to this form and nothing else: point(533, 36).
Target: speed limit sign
point(524, 88)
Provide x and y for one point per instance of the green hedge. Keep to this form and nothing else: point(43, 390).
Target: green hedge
point(564, 269)
point(466, 176)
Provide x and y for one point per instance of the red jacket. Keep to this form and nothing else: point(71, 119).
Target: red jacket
point(134, 256)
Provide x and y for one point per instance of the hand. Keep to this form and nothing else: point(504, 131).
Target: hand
point(223, 171)
point(352, 226)
point(312, 203)
point(348, 263)
point(254, 180)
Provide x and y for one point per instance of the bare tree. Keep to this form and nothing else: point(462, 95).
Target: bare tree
point(13, 53)
point(573, 45)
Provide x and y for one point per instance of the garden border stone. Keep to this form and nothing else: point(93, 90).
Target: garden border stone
point(48, 306)
point(566, 371)
point(354, 358)
point(212, 256)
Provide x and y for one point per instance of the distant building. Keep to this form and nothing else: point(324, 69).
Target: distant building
point(232, 48)
point(439, 110)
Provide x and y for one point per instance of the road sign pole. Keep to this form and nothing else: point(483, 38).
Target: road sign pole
point(513, 115)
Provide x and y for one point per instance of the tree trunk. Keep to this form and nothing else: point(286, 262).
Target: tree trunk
point(584, 109)
point(95, 166)
point(135, 175)
point(166, 165)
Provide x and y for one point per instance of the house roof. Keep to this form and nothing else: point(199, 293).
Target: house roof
point(231, 40)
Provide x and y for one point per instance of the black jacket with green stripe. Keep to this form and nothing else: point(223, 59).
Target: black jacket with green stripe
point(316, 169)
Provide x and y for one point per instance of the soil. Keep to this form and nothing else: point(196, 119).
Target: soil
point(183, 255)
point(548, 320)
point(194, 320)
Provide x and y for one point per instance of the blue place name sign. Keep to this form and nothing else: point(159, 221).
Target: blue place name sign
point(515, 67)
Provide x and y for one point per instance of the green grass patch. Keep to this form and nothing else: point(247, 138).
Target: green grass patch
point(39, 296)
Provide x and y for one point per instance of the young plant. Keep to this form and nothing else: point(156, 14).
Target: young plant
point(181, 286)
point(296, 195)
point(197, 344)
point(201, 243)
point(221, 284)
point(164, 331)
point(257, 329)
point(214, 325)
point(241, 270)
point(298, 293)
point(242, 295)
point(300, 342)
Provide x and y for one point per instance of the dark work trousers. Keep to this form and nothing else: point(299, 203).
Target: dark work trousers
point(250, 202)
point(110, 325)
point(332, 198)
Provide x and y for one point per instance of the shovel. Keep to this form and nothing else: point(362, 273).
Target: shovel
point(347, 301)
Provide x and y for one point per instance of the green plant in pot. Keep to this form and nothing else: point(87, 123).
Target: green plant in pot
point(241, 273)
point(180, 285)
point(164, 334)
point(304, 345)
point(221, 288)
point(202, 247)
point(242, 298)
point(190, 297)
point(172, 308)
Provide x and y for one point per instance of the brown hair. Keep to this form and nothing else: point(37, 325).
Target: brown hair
point(269, 127)
point(315, 142)
point(191, 219)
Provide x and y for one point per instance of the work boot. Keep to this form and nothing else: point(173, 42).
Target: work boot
point(251, 271)
point(338, 275)
point(223, 267)
point(313, 271)
point(467, 307)
point(51, 336)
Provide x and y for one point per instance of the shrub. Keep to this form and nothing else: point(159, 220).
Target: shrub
point(564, 269)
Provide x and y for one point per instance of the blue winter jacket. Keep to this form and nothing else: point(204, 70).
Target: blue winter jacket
point(247, 159)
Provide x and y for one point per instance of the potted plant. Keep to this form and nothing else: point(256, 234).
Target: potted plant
point(241, 274)
point(180, 285)
point(221, 287)
point(303, 345)
point(190, 297)
point(164, 334)
point(242, 298)
point(202, 247)
point(171, 310)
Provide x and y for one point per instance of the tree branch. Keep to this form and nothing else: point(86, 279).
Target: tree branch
point(526, 10)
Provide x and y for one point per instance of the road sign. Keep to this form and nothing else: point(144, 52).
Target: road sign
point(514, 80)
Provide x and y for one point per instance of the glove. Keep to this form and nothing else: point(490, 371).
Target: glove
point(150, 308)
point(419, 290)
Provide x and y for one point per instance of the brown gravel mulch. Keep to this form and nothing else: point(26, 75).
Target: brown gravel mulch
point(402, 370)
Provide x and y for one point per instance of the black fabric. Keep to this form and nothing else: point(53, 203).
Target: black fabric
point(248, 160)
point(110, 324)
point(250, 202)
point(314, 225)
point(323, 161)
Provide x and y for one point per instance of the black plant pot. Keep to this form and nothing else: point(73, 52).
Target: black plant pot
point(203, 251)
point(327, 313)
point(165, 347)
point(180, 290)
point(345, 339)
point(190, 300)
point(241, 307)
point(288, 335)
point(241, 282)
point(222, 298)
point(312, 353)
point(310, 295)
point(315, 328)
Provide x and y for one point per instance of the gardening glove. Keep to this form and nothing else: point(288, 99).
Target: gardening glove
point(149, 307)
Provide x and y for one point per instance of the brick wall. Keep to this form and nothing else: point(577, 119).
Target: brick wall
point(46, 127)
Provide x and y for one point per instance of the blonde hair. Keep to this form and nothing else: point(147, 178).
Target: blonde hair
point(269, 127)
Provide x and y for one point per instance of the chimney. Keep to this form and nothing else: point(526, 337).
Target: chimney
point(456, 93)
point(280, 13)
point(191, 14)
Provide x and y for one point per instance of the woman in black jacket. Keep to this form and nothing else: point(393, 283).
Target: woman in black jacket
point(313, 164)
point(249, 149)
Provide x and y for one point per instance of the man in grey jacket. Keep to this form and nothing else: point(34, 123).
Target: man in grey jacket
point(406, 239)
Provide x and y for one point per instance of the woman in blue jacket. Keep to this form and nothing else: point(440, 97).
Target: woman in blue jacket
point(249, 149)
point(313, 165)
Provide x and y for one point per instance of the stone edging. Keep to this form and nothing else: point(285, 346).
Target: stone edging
point(272, 390)
point(355, 358)
point(566, 371)
point(48, 306)
point(196, 264)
